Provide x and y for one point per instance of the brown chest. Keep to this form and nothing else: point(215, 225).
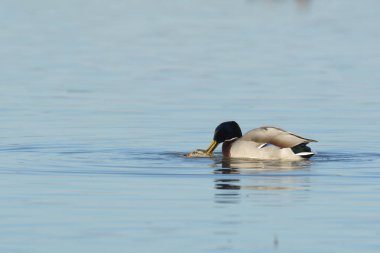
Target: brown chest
point(226, 148)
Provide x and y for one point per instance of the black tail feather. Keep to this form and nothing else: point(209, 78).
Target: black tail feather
point(302, 148)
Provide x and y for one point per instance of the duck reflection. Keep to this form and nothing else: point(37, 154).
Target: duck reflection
point(227, 197)
point(256, 178)
point(301, 4)
point(249, 166)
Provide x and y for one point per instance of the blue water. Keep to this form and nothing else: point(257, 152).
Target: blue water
point(99, 99)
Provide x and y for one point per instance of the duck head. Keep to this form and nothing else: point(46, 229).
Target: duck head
point(224, 132)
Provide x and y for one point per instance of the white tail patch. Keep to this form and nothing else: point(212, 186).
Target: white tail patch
point(305, 153)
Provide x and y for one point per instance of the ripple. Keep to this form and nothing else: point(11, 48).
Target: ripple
point(86, 159)
point(345, 157)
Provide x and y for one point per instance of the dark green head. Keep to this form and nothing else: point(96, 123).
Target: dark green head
point(225, 131)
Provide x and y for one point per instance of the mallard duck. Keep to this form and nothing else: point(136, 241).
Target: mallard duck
point(260, 143)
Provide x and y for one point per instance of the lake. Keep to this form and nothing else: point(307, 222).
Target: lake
point(99, 99)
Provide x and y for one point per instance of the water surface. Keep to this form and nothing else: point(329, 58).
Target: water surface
point(98, 101)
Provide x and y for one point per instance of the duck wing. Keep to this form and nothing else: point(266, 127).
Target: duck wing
point(275, 136)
